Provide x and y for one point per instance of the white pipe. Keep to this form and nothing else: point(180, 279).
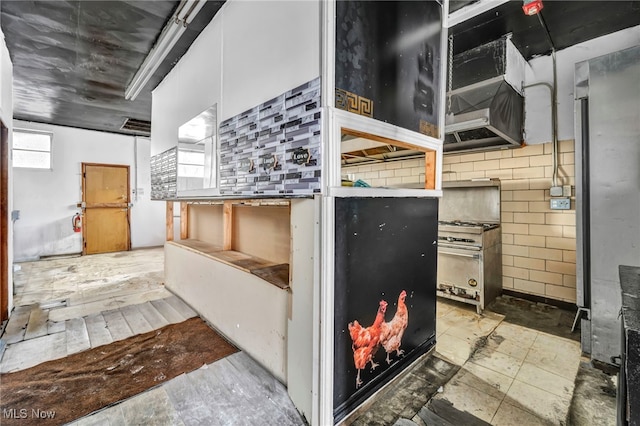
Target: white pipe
point(135, 165)
point(554, 103)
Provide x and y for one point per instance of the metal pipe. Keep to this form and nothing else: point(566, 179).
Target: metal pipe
point(586, 206)
point(135, 164)
point(554, 106)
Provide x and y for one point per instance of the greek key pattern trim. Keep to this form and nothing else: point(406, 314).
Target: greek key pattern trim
point(353, 103)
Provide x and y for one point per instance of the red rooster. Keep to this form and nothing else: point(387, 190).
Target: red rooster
point(366, 341)
point(392, 331)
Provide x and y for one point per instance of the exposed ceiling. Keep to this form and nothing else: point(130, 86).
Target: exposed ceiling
point(569, 22)
point(73, 59)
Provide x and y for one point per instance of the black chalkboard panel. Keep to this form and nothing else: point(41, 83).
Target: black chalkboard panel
point(388, 54)
point(384, 247)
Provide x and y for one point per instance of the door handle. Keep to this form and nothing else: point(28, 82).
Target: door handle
point(472, 256)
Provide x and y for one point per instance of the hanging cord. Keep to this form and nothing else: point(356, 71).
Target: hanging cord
point(450, 74)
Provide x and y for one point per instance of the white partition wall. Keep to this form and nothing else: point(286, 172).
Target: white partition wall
point(252, 51)
point(254, 58)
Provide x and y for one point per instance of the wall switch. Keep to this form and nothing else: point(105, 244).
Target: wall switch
point(555, 191)
point(566, 190)
point(560, 204)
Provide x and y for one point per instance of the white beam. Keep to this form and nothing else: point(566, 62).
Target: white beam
point(472, 11)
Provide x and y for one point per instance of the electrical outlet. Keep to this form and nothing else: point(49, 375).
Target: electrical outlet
point(566, 190)
point(560, 204)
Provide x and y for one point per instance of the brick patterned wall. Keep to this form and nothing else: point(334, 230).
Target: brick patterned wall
point(538, 244)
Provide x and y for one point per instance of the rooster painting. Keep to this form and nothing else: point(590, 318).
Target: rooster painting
point(366, 341)
point(392, 331)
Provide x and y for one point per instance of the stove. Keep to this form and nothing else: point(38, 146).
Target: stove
point(470, 242)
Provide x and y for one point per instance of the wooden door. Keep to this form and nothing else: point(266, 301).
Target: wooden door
point(105, 196)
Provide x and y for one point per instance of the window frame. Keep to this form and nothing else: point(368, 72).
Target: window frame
point(33, 131)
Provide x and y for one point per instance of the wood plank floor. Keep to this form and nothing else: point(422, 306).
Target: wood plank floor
point(70, 305)
point(78, 334)
point(232, 391)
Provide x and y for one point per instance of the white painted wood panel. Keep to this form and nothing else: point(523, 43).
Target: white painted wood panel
point(301, 332)
point(269, 47)
point(249, 311)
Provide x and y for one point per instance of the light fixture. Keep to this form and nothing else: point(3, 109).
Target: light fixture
point(171, 33)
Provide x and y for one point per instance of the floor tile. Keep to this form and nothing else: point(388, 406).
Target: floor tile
point(117, 325)
point(190, 406)
point(145, 296)
point(441, 327)
point(549, 359)
point(16, 327)
point(465, 398)
point(98, 332)
point(37, 324)
point(135, 319)
point(28, 353)
point(111, 416)
point(77, 336)
point(442, 308)
point(181, 307)
point(152, 315)
point(545, 380)
point(484, 380)
point(462, 314)
point(454, 349)
point(150, 407)
point(56, 327)
point(545, 405)
point(498, 343)
point(557, 344)
point(517, 334)
point(496, 361)
point(78, 311)
point(167, 311)
point(510, 415)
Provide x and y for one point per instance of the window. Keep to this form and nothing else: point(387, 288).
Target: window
point(190, 163)
point(32, 149)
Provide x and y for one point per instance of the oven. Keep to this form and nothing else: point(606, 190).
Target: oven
point(470, 243)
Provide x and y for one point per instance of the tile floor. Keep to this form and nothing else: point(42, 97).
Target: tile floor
point(518, 373)
point(509, 374)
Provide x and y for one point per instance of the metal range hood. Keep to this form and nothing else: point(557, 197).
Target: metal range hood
point(484, 116)
point(486, 109)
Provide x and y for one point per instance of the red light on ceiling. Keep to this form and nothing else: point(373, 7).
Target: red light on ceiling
point(532, 7)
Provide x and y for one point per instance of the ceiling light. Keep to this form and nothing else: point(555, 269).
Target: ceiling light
point(171, 33)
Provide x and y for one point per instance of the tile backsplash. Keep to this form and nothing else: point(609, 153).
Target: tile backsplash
point(538, 244)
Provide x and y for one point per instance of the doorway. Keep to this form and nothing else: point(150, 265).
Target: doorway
point(105, 200)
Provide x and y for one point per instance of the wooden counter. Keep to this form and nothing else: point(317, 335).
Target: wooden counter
point(272, 272)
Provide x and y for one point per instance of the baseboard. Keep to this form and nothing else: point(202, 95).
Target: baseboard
point(567, 306)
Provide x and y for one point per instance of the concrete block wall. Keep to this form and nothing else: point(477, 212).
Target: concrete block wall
point(538, 244)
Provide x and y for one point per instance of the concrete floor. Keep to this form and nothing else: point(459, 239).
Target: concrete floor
point(517, 363)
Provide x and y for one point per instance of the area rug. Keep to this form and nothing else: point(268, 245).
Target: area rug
point(59, 391)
